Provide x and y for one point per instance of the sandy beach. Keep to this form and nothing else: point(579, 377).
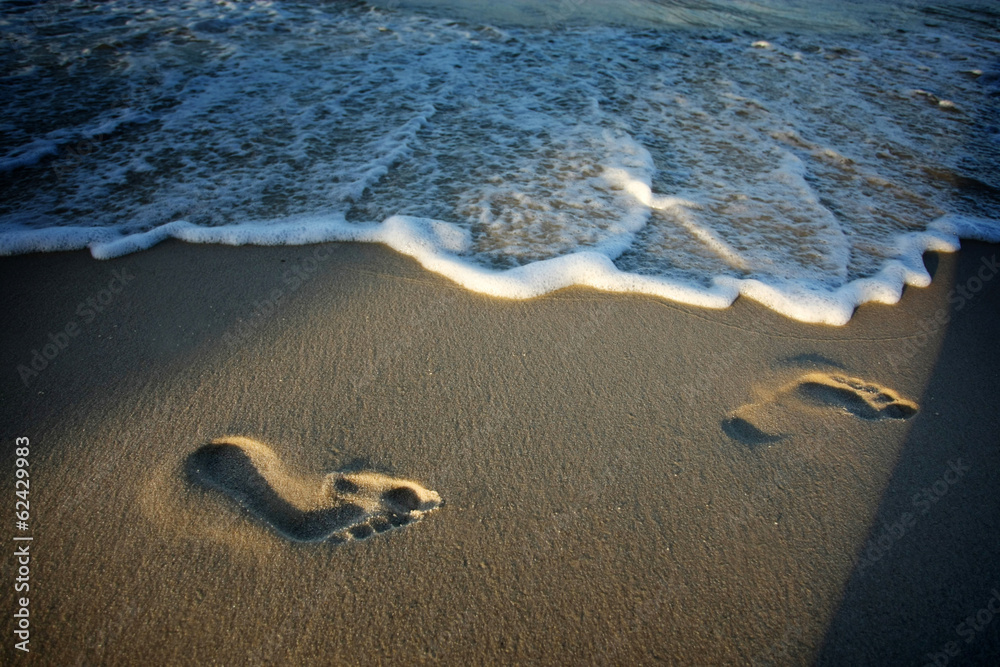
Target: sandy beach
point(624, 480)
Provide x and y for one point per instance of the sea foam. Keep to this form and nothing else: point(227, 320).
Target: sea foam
point(689, 164)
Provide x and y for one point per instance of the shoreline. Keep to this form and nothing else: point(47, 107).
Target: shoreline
point(596, 510)
point(433, 245)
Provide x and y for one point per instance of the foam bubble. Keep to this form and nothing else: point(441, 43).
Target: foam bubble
point(696, 166)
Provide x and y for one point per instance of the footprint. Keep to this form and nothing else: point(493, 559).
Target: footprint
point(764, 422)
point(740, 429)
point(861, 399)
point(336, 507)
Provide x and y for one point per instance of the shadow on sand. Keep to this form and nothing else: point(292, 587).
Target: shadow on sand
point(932, 559)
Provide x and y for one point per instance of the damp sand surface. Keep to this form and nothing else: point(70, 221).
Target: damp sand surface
point(624, 480)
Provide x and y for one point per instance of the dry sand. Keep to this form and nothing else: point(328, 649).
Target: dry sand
point(625, 480)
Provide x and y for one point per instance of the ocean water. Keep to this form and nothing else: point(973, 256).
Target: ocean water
point(797, 153)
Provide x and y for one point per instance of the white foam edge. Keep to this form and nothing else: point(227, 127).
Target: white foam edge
point(435, 244)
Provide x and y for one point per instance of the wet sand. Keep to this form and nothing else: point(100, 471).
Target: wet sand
point(625, 480)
